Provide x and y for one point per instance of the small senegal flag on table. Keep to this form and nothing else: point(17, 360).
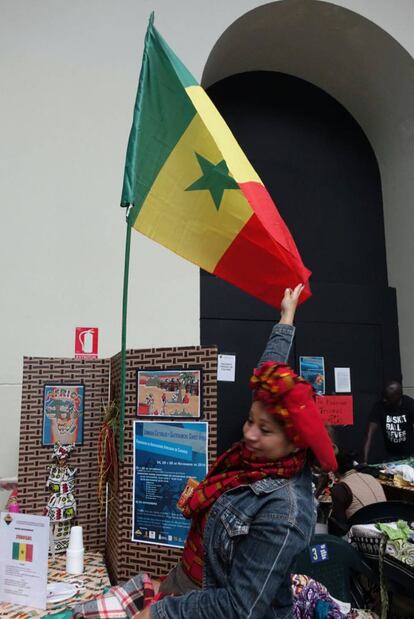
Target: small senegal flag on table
point(22, 552)
point(192, 189)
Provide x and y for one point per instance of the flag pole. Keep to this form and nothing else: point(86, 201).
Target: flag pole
point(127, 201)
point(123, 338)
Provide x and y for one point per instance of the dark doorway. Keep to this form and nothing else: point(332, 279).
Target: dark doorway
point(322, 173)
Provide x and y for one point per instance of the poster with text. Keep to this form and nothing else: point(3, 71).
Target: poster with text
point(166, 455)
point(312, 369)
point(169, 393)
point(24, 545)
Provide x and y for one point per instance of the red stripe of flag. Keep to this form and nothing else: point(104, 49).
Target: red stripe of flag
point(263, 259)
point(29, 552)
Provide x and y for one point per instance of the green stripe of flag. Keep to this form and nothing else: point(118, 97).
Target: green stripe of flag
point(16, 549)
point(162, 113)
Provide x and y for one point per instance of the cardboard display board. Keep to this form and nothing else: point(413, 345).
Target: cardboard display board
point(34, 458)
point(101, 377)
point(124, 557)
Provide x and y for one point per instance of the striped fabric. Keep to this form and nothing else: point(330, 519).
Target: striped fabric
point(121, 602)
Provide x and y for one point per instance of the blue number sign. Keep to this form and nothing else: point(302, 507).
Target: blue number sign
point(318, 553)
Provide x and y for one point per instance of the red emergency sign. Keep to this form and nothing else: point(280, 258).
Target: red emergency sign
point(86, 343)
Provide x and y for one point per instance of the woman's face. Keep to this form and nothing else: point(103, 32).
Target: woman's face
point(264, 436)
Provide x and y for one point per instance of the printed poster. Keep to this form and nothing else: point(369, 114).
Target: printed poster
point(166, 455)
point(24, 546)
point(226, 368)
point(342, 380)
point(312, 369)
point(169, 393)
point(63, 414)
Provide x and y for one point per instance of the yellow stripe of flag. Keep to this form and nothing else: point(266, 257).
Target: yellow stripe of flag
point(239, 166)
point(22, 552)
point(189, 221)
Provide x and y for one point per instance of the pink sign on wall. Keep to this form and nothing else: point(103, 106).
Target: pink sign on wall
point(86, 343)
point(336, 409)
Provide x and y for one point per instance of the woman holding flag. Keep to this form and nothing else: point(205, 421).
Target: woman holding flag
point(253, 513)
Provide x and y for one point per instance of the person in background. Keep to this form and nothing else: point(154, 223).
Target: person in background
point(353, 491)
point(394, 415)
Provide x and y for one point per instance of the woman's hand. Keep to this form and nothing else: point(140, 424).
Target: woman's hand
point(289, 304)
point(144, 614)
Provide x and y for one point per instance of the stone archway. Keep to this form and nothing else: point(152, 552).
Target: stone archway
point(371, 75)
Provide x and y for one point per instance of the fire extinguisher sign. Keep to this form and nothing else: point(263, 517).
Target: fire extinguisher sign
point(86, 343)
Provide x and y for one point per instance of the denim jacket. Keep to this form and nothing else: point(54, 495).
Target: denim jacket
point(252, 537)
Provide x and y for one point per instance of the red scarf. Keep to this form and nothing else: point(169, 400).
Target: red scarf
point(237, 466)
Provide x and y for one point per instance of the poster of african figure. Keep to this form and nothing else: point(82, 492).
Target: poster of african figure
point(169, 393)
point(63, 407)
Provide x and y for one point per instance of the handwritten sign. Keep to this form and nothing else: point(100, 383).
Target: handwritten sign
point(336, 410)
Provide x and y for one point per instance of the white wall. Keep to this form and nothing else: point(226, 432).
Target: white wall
point(68, 80)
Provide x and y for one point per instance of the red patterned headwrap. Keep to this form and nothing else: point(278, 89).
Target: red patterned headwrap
point(290, 398)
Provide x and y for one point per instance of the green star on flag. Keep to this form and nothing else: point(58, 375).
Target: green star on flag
point(215, 179)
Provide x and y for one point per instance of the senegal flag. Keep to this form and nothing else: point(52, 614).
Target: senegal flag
point(192, 189)
point(22, 552)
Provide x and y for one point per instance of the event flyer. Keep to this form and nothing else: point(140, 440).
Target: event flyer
point(312, 369)
point(166, 454)
point(24, 546)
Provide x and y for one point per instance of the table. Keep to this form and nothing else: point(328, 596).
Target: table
point(92, 582)
point(398, 561)
point(397, 493)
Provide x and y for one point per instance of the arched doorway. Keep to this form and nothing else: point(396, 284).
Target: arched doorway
point(306, 39)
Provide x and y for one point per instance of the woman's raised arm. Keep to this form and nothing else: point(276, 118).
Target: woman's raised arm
point(281, 338)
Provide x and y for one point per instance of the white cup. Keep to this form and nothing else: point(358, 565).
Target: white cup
point(76, 539)
point(74, 561)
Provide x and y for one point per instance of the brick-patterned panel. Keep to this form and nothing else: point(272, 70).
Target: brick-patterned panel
point(124, 557)
point(34, 458)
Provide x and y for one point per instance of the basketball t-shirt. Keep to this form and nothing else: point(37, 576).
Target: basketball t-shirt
point(397, 425)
